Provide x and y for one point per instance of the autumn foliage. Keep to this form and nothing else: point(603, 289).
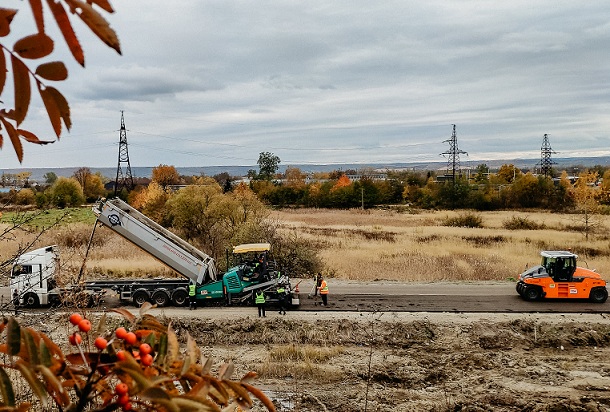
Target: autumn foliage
point(40, 45)
point(143, 369)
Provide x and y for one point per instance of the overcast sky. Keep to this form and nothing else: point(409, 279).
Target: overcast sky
point(205, 83)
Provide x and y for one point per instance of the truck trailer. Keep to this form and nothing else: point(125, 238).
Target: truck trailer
point(33, 277)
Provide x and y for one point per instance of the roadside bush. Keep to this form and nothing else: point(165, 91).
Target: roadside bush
point(137, 367)
point(521, 223)
point(471, 220)
point(25, 197)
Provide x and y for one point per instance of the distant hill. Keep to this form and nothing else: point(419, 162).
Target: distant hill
point(110, 172)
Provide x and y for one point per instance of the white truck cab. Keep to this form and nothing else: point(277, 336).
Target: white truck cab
point(32, 276)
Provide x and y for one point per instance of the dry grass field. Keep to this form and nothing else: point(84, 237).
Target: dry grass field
point(413, 246)
point(385, 244)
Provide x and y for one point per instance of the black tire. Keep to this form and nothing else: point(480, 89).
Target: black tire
point(519, 288)
point(598, 295)
point(160, 298)
point(180, 298)
point(139, 297)
point(30, 300)
point(532, 293)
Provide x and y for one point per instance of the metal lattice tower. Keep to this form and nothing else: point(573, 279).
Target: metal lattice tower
point(546, 163)
point(453, 156)
point(123, 179)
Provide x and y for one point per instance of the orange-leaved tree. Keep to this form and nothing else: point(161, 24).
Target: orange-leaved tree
point(141, 367)
point(37, 46)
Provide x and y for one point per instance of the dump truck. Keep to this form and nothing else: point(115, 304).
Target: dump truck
point(35, 285)
point(558, 276)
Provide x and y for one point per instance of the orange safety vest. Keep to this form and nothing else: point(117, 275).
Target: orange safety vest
point(323, 288)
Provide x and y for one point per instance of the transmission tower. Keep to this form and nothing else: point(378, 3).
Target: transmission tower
point(123, 179)
point(453, 156)
point(546, 163)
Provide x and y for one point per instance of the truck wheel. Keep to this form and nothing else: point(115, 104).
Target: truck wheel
point(139, 297)
point(160, 298)
point(180, 297)
point(598, 295)
point(30, 300)
point(532, 293)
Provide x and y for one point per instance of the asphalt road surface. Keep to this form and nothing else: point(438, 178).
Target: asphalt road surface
point(441, 297)
point(483, 297)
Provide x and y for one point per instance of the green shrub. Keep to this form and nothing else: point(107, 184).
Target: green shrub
point(521, 223)
point(464, 220)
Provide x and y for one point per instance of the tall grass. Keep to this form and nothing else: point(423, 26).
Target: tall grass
point(423, 249)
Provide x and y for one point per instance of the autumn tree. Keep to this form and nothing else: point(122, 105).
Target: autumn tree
point(586, 202)
point(92, 184)
point(225, 181)
point(295, 178)
point(66, 192)
point(49, 178)
point(508, 173)
point(482, 173)
point(40, 45)
point(165, 176)
point(268, 164)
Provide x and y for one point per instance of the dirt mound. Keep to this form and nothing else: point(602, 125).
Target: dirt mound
point(368, 364)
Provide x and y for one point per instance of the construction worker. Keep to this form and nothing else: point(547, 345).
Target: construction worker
point(259, 301)
point(323, 288)
point(192, 296)
point(281, 299)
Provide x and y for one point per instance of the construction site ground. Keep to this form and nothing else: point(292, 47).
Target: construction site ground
point(359, 359)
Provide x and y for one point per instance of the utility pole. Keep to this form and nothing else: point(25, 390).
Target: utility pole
point(123, 179)
point(453, 156)
point(546, 163)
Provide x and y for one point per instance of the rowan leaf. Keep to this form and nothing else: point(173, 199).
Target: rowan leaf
point(248, 377)
point(52, 346)
point(63, 22)
point(2, 70)
point(36, 6)
point(29, 337)
point(190, 403)
point(126, 314)
point(34, 46)
point(62, 106)
point(45, 354)
point(241, 394)
point(32, 138)
point(54, 71)
point(35, 384)
point(6, 17)
point(52, 109)
point(21, 80)
point(98, 25)
point(102, 326)
point(136, 374)
point(226, 370)
point(13, 334)
point(6, 388)
point(104, 4)
point(260, 395)
point(192, 349)
point(146, 306)
point(172, 346)
point(54, 386)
